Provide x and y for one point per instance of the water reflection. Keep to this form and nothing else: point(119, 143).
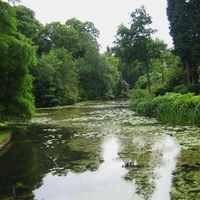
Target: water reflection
point(150, 160)
point(19, 172)
point(100, 150)
point(149, 174)
point(169, 149)
point(105, 183)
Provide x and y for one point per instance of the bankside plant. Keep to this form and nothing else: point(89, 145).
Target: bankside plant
point(177, 108)
point(139, 96)
point(182, 89)
point(171, 107)
point(163, 106)
point(146, 107)
point(186, 107)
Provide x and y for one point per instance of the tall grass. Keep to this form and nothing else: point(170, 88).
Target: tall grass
point(163, 107)
point(171, 107)
point(141, 102)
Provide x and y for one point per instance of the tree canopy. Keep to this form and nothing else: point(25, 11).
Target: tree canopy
point(184, 18)
point(27, 24)
point(135, 44)
point(55, 79)
point(17, 54)
point(59, 64)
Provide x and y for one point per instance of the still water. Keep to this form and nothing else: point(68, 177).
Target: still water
point(100, 151)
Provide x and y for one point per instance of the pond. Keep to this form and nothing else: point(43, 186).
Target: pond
point(100, 150)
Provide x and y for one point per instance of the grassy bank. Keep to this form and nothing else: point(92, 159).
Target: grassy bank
point(171, 107)
point(5, 134)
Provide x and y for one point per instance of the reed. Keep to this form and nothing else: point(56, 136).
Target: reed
point(171, 107)
point(138, 96)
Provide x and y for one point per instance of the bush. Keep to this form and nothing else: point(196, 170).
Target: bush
point(182, 89)
point(139, 96)
point(171, 107)
point(177, 108)
point(163, 106)
point(146, 107)
point(186, 107)
point(194, 88)
point(169, 97)
point(160, 89)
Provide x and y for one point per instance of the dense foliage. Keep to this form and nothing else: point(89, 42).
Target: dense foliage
point(56, 80)
point(17, 54)
point(171, 107)
point(136, 48)
point(184, 18)
point(58, 64)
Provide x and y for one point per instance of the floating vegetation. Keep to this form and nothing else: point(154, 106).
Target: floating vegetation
point(111, 146)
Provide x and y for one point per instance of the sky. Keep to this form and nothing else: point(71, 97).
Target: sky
point(106, 15)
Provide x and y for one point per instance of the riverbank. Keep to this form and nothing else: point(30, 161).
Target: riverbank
point(5, 135)
point(172, 107)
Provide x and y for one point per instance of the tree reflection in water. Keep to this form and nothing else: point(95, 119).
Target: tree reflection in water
point(99, 151)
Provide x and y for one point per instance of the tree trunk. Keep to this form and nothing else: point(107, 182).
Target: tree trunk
point(148, 78)
point(194, 75)
point(187, 70)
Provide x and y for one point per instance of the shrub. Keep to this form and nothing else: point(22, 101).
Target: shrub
point(186, 106)
point(182, 89)
point(139, 96)
point(160, 90)
point(171, 107)
point(194, 88)
point(146, 107)
point(168, 97)
point(163, 106)
point(177, 108)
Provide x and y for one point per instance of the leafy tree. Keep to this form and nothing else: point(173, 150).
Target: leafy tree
point(184, 18)
point(12, 1)
point(135, 44)
point(116, 84)
point(89, 69)
point(55, 79)
point(27, 23)
point(97, 76)
point(157, 68)
point(83, 27)
point(17, 54)
point(171, 76)
point(56, 35)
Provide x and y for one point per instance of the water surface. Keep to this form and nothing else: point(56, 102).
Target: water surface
point(100, 150)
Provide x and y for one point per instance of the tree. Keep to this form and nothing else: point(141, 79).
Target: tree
point(27, 23)
point(56, 82)
point(116, 85)
point(17, 54)
point(184, 18)
point(135, 44)
point(83, 27)
point(56, 35)
point(97, 76)
point(13, 1)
